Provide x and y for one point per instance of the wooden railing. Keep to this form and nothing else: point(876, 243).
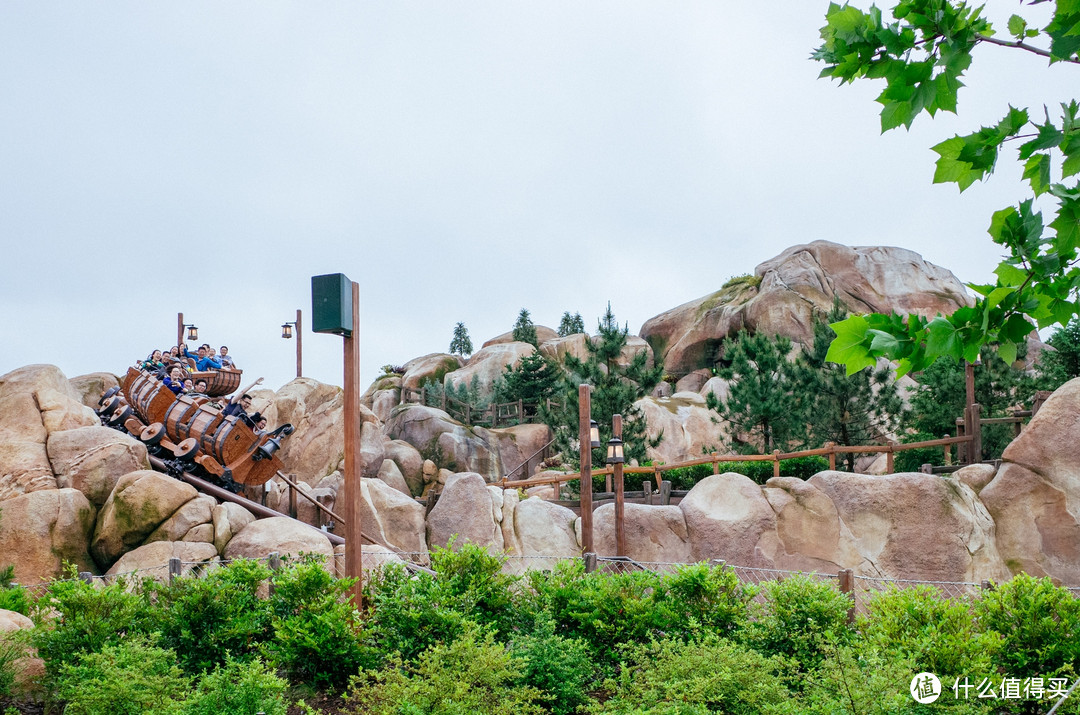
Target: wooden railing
point(492, 415)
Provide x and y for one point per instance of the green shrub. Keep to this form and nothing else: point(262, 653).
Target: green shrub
point(560, 668)
point(760, 472)
point(16, 599)
point(13, 646)
point(798, 611)
point(472, 674)
point(132, 677)
point(85, 619)
point(203, 619)
point(938, 635)
point(713, 675)
point(237, 688)
point(317, 629)
point(1040, 624)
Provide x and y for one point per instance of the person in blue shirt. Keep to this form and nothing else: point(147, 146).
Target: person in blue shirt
point(203, 361)
point(175, 380)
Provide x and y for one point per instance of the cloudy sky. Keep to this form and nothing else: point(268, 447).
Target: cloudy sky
point(460, 161)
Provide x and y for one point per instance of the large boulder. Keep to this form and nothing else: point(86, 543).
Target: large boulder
point(195, 513)
point(42, 530)
point(464, 510)
point(543, 335)
point(395, 519)
point(654, 534)
point(152, 559)
point(487, 365)
point(521, 445)
point(35, 401)
point(92, 459)
point(810, 536)
point(390, 474)
point(140, 503)
point(371, 452)
point(92, 386)
point(409, 463)
point(445, 441)
point(433, 367)
point(688, 428)
point(633, 347)
point(541, 528)
point(727, 517)
point(573, 345)
point(229, 519)
point(1035, 496)
point(915, 526)
point(785, 292)
point(278, 534)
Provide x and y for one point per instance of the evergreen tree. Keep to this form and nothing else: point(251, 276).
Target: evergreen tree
point(1063, 362)
point(763, 400)
point(571, 324)
point(524, 330)
point(461, 344)
point(616, 386)
point(533, 381)
point(847, 410)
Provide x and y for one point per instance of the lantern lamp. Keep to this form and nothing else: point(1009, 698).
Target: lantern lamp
point(615, 451)
point(286, 330)
point(594, 435)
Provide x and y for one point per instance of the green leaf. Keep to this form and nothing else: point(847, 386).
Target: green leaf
point(942, 339)
point(1010, 275)
point(1017, 26)
point(1007, 352)
point(883, 342)
point(1037, 172)
point(850, 346)
point(999, 294)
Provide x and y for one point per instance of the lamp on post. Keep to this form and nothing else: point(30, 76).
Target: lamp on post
point(335, 309)
point(287, 333)
point(192, 330)
point(616, 459)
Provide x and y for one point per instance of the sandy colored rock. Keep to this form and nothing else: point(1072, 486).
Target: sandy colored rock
point(317, 447)
point(278, 534)
point(383, 401)
point(1035, 496)
point(371, 449)
point(394, 518)
point(726, 516)
point(41, 530)
point(92, 386)
point(140, 502)
point(558, 348)
point(810, 535)
point(383, 383)
point(718, 387)
point(92, 459)
point(197, 512)
point(694, 381)
point(634, 346)
point(408, 461)
point(390, 474)
point(229, 519)
point(689, 428)
point(152, 560)
point(520, 446)
point(12, 621)
point(916, 526)
point(434, 433)
point(203, 533)
point(307, 512)
point(790, 288)
point(976, 476)
point(654, 534)
point(464, 509)
point(543, 335)
point(487, 365)
point(544, 529)
point(433, 367)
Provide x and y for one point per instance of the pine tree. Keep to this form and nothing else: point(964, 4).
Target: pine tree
point(615, 389)
point(1063, 362)
point(762, 401)
point(533, 381)
point(571, 324)
point(847, 410)
point(524, 330)
point(461, 344)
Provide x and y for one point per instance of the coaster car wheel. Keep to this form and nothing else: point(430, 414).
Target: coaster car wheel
point(187, 449)
point(152, 435)
point(120, 416)
point(107, 395)
point(109, 406)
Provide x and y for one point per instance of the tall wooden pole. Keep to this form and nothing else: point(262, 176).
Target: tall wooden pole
point(353, 494)
point(620, 532)
point(300, 342)
point(179, 329)
point(584, 418)
point(969, 428)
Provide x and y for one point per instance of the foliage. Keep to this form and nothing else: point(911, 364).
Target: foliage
point(942, 636)
point(1063, 362)
point(922, 57)
point(571, 324)
point(464, 394)
point(461, 344)
point(560, 668)
point(742, 280)
point(317, 629)
point(615, 388)
point(13, 597)
point(206, 619)
point(472, 674)
point(848, 410)
point(524, 330)
point(533, 381)
point(1040, 623)
point(763, 401)
point(760, 472)
point(86, 619)
point(237, 687)
point(797, 611)
point(672, 677)
point(132, 677)
point(13, 647)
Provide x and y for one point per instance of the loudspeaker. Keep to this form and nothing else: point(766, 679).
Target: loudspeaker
point(331, 304)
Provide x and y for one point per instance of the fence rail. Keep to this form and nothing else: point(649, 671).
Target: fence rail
point(492, 415)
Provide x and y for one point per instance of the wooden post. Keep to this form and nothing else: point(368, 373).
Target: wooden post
point(927, 469)
point(1018, 427)
point(432, 500)
point(299, 344)
point(948, 453)
point(86, 577)
point(646, 490)
point(585, 456)
point(657, 475)
point(976, 433)
point(776, 463)
point(274, 562)
point(353, 495)
point(590, 562)
point(962, 450)
point(715, 462)
point(969, 400)
point(847, 587)
point(620, 499)
point(179, 330)
point(175, 567)
point(665, 492)
point(292, 501)
point(889, 460)
point(831, 446)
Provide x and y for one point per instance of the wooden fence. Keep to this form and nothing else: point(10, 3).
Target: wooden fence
point(492, 415)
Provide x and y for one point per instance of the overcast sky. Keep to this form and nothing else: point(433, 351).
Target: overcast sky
point(460, 161)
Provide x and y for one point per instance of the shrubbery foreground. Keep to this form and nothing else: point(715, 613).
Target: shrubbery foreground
point(472, 639)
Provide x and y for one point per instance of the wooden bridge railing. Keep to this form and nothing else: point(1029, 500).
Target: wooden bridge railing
point(492, 415)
